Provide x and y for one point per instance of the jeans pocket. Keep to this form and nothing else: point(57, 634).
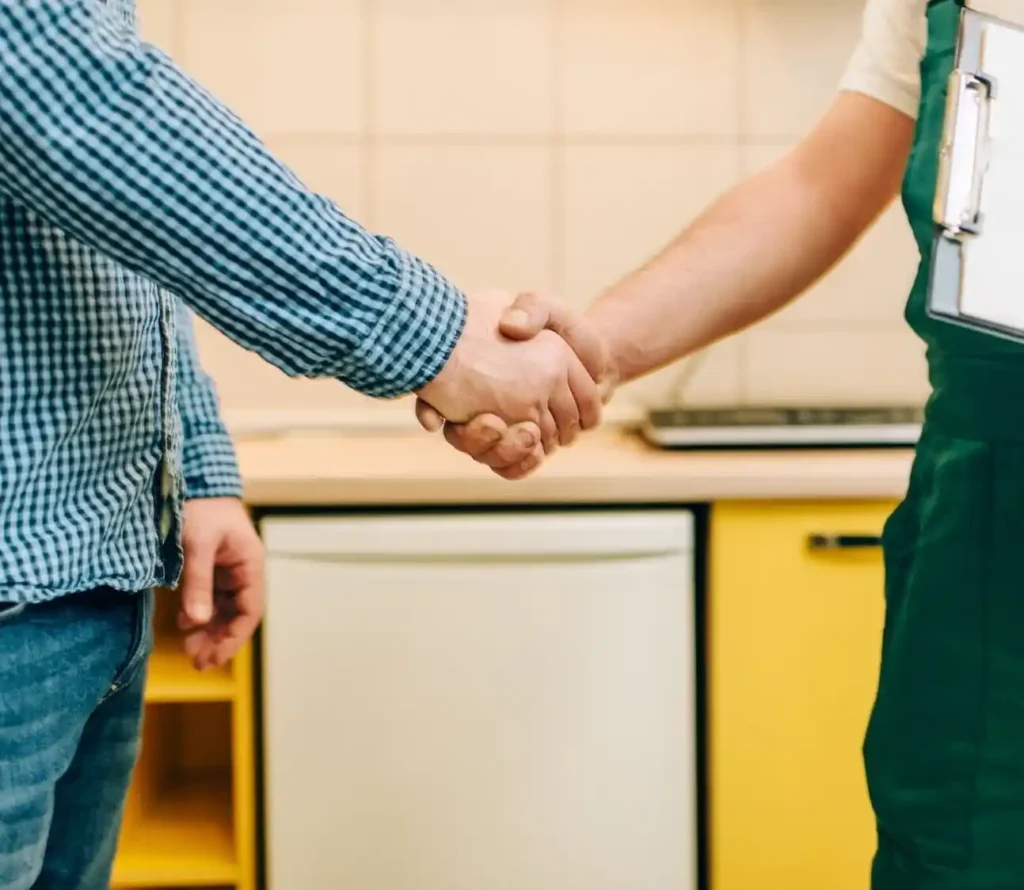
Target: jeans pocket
point(10, 611)
point(140, 646)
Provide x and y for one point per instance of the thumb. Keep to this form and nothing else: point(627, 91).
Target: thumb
point(429, 418)
point(526, 317)
point(197, 585)
point(532, 313)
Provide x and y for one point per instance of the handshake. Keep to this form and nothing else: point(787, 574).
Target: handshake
point(525, 377)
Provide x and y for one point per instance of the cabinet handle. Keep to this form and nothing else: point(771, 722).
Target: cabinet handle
point(844, 542)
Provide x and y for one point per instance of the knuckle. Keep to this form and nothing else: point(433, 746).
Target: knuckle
point(509, 452)
point(454, 436)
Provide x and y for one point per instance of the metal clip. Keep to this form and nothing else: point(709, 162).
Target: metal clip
point(963, 157)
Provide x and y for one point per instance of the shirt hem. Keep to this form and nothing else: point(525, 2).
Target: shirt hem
point(18, 593)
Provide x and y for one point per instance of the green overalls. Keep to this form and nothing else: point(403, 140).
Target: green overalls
point(945, 747)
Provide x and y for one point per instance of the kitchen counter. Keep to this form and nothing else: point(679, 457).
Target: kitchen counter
point(617, 467)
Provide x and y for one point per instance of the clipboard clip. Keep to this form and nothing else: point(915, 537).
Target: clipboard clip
point(963, 157)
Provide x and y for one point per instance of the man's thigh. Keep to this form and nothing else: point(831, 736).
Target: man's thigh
point(60, 664)
point(89, 798)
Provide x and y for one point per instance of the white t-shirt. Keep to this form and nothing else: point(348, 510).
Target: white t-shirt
point(885, 63)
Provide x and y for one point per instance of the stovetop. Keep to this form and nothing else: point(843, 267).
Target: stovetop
point(785, 427)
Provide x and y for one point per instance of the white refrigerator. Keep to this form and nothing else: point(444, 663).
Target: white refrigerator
point(489, 701)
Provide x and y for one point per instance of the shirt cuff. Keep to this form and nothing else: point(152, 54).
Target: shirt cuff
point(210, 467)
point(414, 337)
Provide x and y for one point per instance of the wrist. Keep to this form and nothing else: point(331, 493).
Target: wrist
point(617, 358)
point(433, 391)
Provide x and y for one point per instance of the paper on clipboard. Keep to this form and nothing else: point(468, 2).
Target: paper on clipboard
point(977, 270)
point(992, 271)
point(1007, 10)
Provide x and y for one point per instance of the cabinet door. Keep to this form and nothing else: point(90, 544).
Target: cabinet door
point(795, 642)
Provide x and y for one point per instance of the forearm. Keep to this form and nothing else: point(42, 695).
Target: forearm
point(107, 139)
point(762, 244)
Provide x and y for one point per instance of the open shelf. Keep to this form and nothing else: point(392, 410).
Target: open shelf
point(173, 679)
point(179, 827)
point(171, 675)
point(185, 839)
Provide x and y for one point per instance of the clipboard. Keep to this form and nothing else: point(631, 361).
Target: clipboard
point(977, 274)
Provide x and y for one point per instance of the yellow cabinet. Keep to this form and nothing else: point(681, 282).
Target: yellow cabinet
point(190, 815)
point(796, 608)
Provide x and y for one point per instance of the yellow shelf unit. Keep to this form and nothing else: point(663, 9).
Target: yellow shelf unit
point(190, 815)
point(173, 679)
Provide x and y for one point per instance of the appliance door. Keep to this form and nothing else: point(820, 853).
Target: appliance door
point(481, 702)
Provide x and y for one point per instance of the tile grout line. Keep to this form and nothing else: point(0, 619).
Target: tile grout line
point(690, 368)
point(742, 70)
point(178, 30)
point(742, 125)
point(367, 141)
point(740, 22)
point(499, 140)
point(557, 150)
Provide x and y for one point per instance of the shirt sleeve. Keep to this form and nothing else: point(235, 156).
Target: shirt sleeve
point(208, 457)
point(109, 140)
point(885, 64)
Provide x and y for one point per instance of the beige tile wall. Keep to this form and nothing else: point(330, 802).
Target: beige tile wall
point(555, 144)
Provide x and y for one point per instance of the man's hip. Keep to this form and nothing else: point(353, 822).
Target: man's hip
point(71, 679)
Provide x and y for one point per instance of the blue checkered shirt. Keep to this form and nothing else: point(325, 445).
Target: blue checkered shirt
point(130, 196)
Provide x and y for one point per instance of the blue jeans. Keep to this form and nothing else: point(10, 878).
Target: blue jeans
point(71, 683)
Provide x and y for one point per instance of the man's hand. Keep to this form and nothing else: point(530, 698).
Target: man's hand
point(511, 451)
point(541, 381)
point(222, 585)
point(532, 313)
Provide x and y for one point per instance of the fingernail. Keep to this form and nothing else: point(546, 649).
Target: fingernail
point(516, 318)
point(526, 439)
point(201, 612)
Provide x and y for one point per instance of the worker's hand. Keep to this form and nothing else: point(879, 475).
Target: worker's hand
point(540, 380)
point(222, 584)
point(532, 313)
point(511, 450)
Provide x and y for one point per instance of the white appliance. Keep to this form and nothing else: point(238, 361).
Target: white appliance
point(494, 701)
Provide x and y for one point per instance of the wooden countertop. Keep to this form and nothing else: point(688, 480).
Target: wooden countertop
point(613, 467)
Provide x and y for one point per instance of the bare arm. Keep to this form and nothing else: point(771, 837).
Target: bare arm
point(753, 251)
point(762, 244)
